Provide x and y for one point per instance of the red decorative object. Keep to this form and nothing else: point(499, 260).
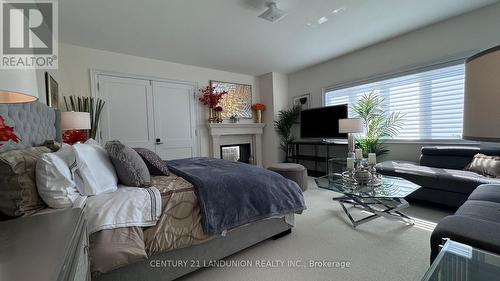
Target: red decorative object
point(218, 109)
point(259, 106)
point(209, 97)
point(74, 136)
point(7, 133)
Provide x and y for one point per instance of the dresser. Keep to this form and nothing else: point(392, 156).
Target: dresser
point(46, 247)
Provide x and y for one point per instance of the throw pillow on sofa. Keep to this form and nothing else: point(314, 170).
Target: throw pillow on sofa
point(485, 165)
point(129, 166)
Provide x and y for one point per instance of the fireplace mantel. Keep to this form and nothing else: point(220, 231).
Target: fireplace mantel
point(225, 133)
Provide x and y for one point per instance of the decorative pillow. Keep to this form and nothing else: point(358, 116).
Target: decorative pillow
point(130, 168)
point(485, 165)
point(18, 193)
point(155, 164)
point(95, 174)
point(54, 178)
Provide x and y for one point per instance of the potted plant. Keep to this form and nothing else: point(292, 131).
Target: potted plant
point(211, 99)
point(379, 125)
point(283, 126)
point(258, 108)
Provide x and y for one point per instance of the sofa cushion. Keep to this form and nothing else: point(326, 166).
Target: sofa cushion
point(484, 210)
point(428, 177)
point(474, 232)
point(486, 192)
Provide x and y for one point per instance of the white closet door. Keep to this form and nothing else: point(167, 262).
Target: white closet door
point(128, 113)
point(174, 120)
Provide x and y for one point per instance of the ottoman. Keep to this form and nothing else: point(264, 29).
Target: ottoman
point(292, 171)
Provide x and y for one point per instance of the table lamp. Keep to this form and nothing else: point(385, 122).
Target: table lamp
point(74, 125)
point(482, 96)
point(350, 126)
point(15, 97)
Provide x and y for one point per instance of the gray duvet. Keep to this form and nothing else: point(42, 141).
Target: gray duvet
point(232, 194)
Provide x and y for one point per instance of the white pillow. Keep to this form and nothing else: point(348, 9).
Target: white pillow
point(54, 179)
point(95, 173)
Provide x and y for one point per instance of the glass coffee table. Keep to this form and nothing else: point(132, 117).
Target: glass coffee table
point(457, 261)
point(386, 200)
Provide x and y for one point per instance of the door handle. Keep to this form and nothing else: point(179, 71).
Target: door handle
point(158, 142)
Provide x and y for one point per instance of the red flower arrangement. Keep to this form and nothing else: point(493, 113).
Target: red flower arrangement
point(209, 97)
point(7, 133)
point(259, 106)
point(218, 109)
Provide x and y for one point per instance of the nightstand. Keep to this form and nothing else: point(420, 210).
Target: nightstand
point(47, 247)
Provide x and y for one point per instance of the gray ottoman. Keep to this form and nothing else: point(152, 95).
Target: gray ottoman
point(295, 172)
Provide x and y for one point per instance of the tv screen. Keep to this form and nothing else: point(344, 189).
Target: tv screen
point(322, 122)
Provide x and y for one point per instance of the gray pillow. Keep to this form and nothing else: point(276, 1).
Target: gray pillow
point(488, 166)
point(130, 168)
point(155, 164)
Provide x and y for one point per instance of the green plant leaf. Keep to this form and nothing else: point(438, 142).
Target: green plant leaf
point(379, 125)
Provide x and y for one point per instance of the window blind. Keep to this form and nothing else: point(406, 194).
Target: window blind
point(431, 101)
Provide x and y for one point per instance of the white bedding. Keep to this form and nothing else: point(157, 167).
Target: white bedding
point(127, 206)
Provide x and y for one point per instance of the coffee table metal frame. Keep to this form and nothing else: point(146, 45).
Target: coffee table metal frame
point(391, 208)
point(387, 207)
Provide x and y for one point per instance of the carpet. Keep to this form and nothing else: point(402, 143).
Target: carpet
point(323, 246)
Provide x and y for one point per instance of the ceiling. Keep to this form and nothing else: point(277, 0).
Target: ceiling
point(228, 35)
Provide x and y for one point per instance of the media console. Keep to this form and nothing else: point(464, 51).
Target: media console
point(319, 156)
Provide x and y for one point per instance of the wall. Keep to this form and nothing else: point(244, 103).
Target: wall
point(274, 94)
point(74, 79)
point(473, 31)
point(28, 81)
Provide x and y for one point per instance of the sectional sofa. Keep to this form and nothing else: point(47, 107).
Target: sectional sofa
point(441, 173)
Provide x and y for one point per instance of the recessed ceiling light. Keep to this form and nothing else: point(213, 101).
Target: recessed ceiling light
point(339, 10)
point(322, 20)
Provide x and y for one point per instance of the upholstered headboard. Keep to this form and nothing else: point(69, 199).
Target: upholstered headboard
point(34, 123)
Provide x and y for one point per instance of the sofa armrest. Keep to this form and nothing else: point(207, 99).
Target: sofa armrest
point(474, 232)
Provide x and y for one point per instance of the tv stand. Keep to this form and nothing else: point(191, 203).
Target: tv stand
point(314, 155)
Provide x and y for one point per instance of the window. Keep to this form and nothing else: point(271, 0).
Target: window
point(432, 101)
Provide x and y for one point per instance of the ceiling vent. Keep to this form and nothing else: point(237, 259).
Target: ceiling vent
point(273, 13)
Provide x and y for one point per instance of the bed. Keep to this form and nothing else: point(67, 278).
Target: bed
point(36, 123)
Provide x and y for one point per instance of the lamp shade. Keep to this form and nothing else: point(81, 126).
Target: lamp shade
point(75, 121)
point(15, 97)
point(350, 125)
point(482, 96)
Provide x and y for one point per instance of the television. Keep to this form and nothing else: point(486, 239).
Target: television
point(322, 122)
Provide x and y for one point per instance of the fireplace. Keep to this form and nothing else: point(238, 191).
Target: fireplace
point(233, 134)
point(236, 152)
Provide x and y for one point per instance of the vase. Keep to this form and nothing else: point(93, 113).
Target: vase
point(218, 117)
point(211, 115)
point(258, 116)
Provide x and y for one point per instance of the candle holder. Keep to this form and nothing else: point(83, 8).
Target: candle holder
point(363, 175)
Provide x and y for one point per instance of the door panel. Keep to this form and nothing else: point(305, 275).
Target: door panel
point(174, 120)
point(128, 113)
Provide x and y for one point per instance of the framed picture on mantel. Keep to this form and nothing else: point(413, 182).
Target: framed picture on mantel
point(237, 102)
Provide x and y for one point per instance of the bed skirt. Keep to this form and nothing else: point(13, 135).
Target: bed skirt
point(156, 267)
